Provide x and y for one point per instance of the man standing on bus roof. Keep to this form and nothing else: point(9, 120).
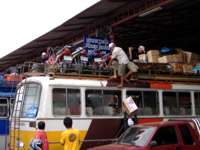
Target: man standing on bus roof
point(119, 54)
point(70, 138)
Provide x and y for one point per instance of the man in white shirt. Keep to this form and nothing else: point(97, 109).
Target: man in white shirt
point(123, 61)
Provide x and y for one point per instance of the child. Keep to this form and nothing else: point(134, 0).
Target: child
point(70, 137)
point(41, 135)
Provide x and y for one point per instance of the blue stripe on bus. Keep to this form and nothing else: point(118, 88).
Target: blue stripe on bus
point(7, 94)
point(4, 126)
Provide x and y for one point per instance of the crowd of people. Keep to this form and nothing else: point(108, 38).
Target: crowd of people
point(115, 58)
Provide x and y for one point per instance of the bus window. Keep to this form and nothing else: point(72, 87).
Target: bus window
point(176, 103)
point(66, 101)
point(147, 101)
point(73, 101)
point(197, 102)
point(31, 100)
point(4, 107)
point(103, 102)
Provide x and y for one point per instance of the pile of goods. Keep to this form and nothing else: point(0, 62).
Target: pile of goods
point(182, 62)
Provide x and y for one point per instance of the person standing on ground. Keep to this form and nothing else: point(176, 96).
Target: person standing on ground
point(130, 120)
point(70, 138)
point(40, 135)
point(123, 61)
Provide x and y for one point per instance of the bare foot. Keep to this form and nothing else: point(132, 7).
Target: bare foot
point(113, 77)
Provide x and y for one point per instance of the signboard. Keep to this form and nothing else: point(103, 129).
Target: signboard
point(93, 44)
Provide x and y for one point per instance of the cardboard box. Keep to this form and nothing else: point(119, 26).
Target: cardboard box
point(177, 68)
point(187, 69)
point(191, 58)
point(142, 57)
point(129, 105)
point(165, 59)
point(177, 58)
point(153, 55)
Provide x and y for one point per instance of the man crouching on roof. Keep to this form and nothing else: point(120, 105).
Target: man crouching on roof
point(123, 61)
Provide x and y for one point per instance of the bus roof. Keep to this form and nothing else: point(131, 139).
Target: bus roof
point(99, 82)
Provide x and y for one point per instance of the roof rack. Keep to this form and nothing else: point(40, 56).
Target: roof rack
point(147, 71)
point(78, 70)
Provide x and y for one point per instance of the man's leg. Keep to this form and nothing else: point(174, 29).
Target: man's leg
point(132, 70)
point(121, 82)
point(114, 76)
point(121, 72)
point(115, 67)
point(128, 74)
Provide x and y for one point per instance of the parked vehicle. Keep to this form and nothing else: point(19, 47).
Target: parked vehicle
point(167, 135)
point(95, 104)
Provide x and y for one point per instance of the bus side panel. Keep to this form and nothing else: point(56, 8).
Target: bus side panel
point(4, 126)
point(4, 129)
point(102, 129)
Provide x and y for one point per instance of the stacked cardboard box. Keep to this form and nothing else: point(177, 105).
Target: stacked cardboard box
point(187, 69)
point(177, 68)
point(165, 59)
point(178, 58)
point(153, 56)
point(175, 58)
point(191, 58)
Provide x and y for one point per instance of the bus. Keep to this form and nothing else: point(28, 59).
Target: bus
point(95, 105)
point(7, 96)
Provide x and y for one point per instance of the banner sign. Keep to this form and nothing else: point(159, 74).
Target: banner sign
point(93, 44)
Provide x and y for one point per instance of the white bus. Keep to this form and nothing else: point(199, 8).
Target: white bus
point(95, 106)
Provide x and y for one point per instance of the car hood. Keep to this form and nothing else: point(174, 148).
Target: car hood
point(115, 147)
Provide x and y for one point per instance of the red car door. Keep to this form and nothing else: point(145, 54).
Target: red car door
point(165, 147)
point(188, 138)
point(165, 139)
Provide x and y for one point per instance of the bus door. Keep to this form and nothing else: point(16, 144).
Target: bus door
point(4, 122)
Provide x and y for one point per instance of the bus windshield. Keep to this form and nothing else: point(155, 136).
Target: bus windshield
point(137, 136)
point(30, 96)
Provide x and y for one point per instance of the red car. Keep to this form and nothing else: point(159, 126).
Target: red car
point(168, 135)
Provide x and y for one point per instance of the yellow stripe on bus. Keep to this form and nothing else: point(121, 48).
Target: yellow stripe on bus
point(53, 138)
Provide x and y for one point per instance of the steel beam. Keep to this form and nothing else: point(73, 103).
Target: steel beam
point(135, 12)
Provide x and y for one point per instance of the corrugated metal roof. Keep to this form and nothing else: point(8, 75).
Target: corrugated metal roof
point(176, 24)
point(62, 34)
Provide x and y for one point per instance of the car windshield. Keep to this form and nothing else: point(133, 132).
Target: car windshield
point(137, 136)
